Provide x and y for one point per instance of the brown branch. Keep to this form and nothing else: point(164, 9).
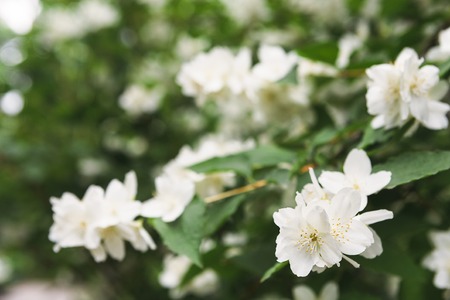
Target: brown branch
point(244, 189)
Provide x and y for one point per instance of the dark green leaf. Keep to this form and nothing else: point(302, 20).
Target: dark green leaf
point(184, 235)
point(237, 163)
point(411, 166)
point(265, 156)
point(444, 68)
point(290, 78)
point(217, 213)
point(274, 269)
point(372, 136)
point(325, 52)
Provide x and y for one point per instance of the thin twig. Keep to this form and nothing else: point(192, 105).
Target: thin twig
point(247, 188)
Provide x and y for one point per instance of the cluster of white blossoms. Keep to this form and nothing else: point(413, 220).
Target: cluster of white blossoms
point(403, 90)
point(176, 187)
point(243, 91)
point(102, 221)
point(327, 223)
point(439, 259)
point(441, 52)
point(68, 23)
point(330, 291)
point(137, 99)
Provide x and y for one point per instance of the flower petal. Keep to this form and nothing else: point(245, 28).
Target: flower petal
point(376, 216)
point(357, 164)
point(302, 292)
point(376, 182)
point(333, 181)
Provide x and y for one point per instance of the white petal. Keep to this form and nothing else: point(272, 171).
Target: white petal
point(375, 249)
point(345, 204)
point(330, 291)
point(437, 115)
point(357, 239)
point(154, 208)
point(333, 181)
point(301, 264)
point(317, 218)
point(93, 193)
point(329, 251)
point(442, 279)
point(115, 246)
point(116, 191)
point(302, 292)
point(376, 216)
point(131, 184)
point(99, 254)
point(357, 164)
point(147, 238)
point(376, 182)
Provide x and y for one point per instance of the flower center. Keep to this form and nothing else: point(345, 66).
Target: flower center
point(310, 241)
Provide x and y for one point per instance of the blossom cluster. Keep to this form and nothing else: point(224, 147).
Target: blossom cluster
point(406, 90)
point(327, 223)
point(177, 185)
point(101, 221)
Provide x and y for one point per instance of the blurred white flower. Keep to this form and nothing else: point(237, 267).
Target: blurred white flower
point(6, 269)
point(357, 175)
point(307, 67)
point(101, 221)
point(325, 11)
point(330, 291)
point(441, 52)
point(137, 99)
point(396, 92)
point(175, 268)
point(206, 74)
point(173, 194)
point(188, 46)
point(439, 259)
point(274, 63)
point(247, 11)
point(209, 147)
point(67, 23)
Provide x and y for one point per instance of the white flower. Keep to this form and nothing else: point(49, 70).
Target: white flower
point(101, 221)
point(441, 52)
point(206, 74)
point(88, 16)
point(305, 239)
point(173, 194)
point(322, 229)
point(307, 67)
point(75, 220)
point(209, 147)
point(416, 88)
point(330, 291)
point(247, 11)
point(439, 259)
point(188, 46)
point(357, 175)
point(347, 45)
point(397, 92)
point(137, 99)
point(274, 63)
point(175, 268)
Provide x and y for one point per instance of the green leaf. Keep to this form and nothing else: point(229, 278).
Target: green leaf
point(265, 156)
point(444, 68)
point(325, 52)
point(372, 136)
point(184, 235)
point(217, 213)
point(242, 163)
point(411, 166)
point(237, 163)
point(290, 78)
point(274, 269)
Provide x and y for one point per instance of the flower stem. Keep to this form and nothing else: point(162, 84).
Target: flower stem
point(244, 189)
